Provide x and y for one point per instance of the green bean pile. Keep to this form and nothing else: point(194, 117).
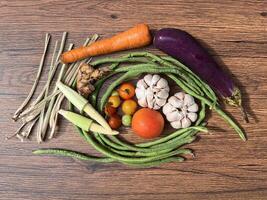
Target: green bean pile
point(166, 149)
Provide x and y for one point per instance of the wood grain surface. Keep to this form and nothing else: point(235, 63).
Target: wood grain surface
point(234, 32)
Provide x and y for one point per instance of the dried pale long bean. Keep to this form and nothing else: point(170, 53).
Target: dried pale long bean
point(38, 106)
point(69, 78)
point(46, 87)
point(26, 101)
point(52, 101)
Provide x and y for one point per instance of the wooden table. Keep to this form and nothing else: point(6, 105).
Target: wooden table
point(235, 33)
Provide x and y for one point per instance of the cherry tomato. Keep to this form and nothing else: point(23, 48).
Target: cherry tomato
point(129, 107)
point(114, 93)
point(110, 110)
point(115, 101)
point(114, 121)
point(126, 90)
point(126, 120)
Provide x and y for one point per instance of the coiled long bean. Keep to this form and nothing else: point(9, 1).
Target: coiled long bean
point(165, 149)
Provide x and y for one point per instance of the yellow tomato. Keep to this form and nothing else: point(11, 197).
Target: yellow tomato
point(114, 101)
point(129, 107)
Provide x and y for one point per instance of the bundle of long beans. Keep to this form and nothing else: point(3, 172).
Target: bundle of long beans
point(44, 109)
point(166, 149)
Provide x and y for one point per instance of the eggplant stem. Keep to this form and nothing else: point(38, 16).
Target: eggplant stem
point(236, 101)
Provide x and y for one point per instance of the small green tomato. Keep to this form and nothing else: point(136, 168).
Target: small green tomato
point(126, 120)
point(114, 93)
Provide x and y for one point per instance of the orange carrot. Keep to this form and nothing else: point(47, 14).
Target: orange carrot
point(135, 37)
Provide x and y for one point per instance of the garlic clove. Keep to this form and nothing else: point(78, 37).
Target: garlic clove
point(156, 106)
point(176, 124)
point(142, 102)
point(188, 100)
point(140, 93)
point(162, 83)
point(174, 101)
point(141, 84)
point(193, 108)
point(156, 90)
point(174, 116)
point(155, 79)
point(180, 95)
point(163, 94)
point(148, 79)
point(192, 116)
point(160, 102)
point(185, 122)
point(167, 89)
point(167, 108)
point(149, 94)
point(184, 111)
point(150, 103)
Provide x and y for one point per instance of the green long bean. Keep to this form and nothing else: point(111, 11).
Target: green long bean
point(165, 149)
point(206, 88)
point(156, 163)
point(216, 108)
point(115, 156)
point(73, 154)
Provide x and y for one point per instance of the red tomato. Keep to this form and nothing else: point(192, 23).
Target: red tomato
point(114, 121)
point(147, 123)
point(126, 91)
point(110, 110)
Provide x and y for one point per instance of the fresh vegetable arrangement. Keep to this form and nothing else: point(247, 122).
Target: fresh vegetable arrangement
point(148, 106)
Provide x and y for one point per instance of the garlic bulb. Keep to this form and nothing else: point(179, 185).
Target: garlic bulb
point(152, 91)
point(181, 110)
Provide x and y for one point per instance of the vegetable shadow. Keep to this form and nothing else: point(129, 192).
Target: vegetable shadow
point(245, 96)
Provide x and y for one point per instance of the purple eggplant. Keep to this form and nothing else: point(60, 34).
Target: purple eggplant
point(185, 48)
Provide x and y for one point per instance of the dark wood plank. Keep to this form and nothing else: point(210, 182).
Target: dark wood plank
point(235, 33)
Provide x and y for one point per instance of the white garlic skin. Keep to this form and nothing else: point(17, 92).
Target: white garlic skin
point(162, 83)
point(142, 102)
point(167, 108)
point(139, 92)
point(181, 110)
point(192, 116)
point(152, 91)
point(176, 124)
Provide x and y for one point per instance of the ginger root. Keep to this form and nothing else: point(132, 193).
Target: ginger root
point(86, 77)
